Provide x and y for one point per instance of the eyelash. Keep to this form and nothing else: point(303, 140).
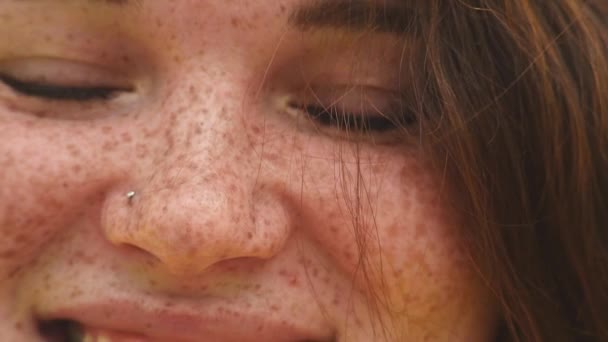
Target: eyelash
point(341, 120)
point(60, 93)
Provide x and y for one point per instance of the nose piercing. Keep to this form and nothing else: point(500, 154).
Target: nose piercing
point(130, 196)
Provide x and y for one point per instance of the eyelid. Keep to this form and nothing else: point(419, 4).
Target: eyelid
point(60, 93)
point(350, 96)
point(63, 73)
point(352, 112)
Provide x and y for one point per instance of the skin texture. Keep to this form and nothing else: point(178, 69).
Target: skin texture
point(242, 206)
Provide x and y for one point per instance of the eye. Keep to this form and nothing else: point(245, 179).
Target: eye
point(354, 112)
point(350, 121)
point(61, 93)
point(55, 79)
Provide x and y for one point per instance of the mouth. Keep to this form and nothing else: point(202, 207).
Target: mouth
point(64, 330)
point(72, 331)
point(61, 331)
point(126, 320)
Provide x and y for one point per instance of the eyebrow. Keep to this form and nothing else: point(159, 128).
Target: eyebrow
point(119, 3)
point(386, 16)
point(113, 2)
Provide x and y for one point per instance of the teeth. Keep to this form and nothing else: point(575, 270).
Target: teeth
point(98, 338)
point(75, 332)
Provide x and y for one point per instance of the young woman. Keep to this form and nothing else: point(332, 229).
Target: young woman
point(294, 170)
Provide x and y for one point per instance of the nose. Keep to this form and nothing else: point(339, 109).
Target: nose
point(191, 227)
point(204, 204)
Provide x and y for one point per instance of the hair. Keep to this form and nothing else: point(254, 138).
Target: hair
point(514, 100)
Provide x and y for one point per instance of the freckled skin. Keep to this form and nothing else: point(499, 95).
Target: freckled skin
point(234, 201)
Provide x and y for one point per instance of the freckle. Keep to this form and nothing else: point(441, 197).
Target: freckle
point(394, 231)
point(29, 123)
point(234, 21)
point(126, 137)
point(74, 150)
point(193, 167)
point(358, 322)
point(21, 238)
point(109, 146)
point(12, 273)
point(249, 235)
point(76, 168)
point(141, 150)
point(148, 133)
point(75, 293)
point(274, 308)
point(420, 230)
point(10, 253)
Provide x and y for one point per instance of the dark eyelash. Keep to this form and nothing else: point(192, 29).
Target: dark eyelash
point(61, 93)
point(333, 117)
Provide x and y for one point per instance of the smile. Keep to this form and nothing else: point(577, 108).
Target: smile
point(72, 331)
point(130, 323)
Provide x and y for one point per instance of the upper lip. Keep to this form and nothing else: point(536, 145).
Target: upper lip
point(219, 322)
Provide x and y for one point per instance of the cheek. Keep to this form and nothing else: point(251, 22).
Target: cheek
point(387, 223)
point(51, 176)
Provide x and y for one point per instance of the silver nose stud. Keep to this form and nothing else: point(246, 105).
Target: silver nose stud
point(130, 195)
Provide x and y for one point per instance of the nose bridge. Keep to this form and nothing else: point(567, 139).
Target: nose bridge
point(197, 205)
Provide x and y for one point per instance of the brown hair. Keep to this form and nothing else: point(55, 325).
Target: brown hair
point(514, 93)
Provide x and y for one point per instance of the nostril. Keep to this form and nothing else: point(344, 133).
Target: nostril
point(140, 253)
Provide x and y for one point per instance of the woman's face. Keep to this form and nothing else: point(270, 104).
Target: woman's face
point(199, 171)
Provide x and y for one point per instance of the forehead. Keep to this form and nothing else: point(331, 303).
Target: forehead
point(386, 16)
